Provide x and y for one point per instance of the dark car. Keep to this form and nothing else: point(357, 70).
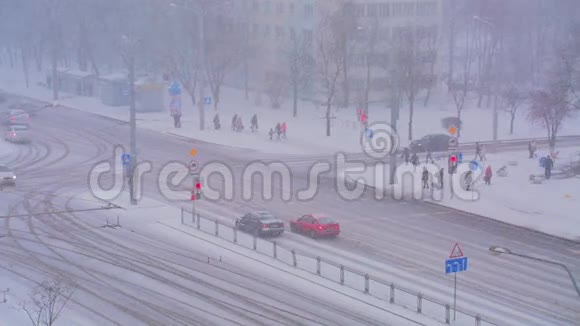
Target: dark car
point(260, 224)
point(434, 143)
point(316, 226)
point(17, 134)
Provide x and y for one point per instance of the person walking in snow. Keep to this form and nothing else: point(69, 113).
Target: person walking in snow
point(468, 180)
point(415, 159)
point(429, 157)
point(405, 155)
point(358, 114)
point(216, 122)
point(283, 128)
point(478, 151)
point(239, 124)
point(425, 178)
point(176, 114)
point(548, 165)
point(254, 123)
point(234, 122)
point(532, 149)
point(441, 174)
point(278, 130)
point(271, 133)
point(487, 175)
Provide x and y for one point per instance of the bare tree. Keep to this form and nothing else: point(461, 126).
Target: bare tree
point(409, 53)
point(300, 65)
point(513, 98)
point(47, 302)
point(276, 88)
point(462, 84)
point(549, 109)
point(329, 61)
point(344, 31)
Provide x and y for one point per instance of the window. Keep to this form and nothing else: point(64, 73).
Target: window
point(267, 7)
point(359, 10)
point(256, 6)
point(409, 9)
point(397, 9)
point(372, 10)
point(292, 33)
point(279, 32)
point(291, 7)
point(426, 8)
point(383, 10)
point(267, 31)
point(308, 10)
point(255, 29)
point(279, 8)
point(307, 35)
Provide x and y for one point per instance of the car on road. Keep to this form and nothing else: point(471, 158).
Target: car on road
point(7, 176)
point(260, 224)
point(15, 117)
point(17, 134)
point(434, 143)
point(30, 108)
point(315, 226)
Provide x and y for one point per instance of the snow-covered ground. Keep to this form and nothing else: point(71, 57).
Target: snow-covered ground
point(551, 207)
point(156, 222)
point(6, 149)
point(306, 133)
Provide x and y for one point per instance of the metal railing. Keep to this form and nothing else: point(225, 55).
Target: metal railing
point(346, 276)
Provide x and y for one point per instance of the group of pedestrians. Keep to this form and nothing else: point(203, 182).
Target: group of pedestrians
point(414, 158)
point(279, 131)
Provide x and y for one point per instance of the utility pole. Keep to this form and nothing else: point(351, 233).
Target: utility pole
point(201, 101)
point(133, 125)
point(393, 158)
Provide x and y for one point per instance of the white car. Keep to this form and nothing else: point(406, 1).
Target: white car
point(7, 177)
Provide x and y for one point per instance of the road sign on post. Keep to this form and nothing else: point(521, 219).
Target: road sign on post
point(456, 263)
point(207, 100)
point(126, 159)
point(453, 142)
point(193, 167)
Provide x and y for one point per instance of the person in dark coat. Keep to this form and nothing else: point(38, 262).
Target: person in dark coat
point(425, 178)
point(405, 155)
point(441, 174)
point(283, 128)
point(478, 151)
point(532, 149)
point(278, 131)
point(271, 133)
point(548, 165)
point(487, 175)
point(415, 159)
point(254, 123)
point(216, 122)
point(468, 180)
point(234, 122)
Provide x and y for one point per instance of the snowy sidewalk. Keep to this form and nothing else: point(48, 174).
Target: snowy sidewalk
point(550, 207)
point(306, 133)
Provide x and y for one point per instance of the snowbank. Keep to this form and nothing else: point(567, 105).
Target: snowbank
point(306, 133)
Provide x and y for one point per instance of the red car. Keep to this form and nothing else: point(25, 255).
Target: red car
point(316, 226)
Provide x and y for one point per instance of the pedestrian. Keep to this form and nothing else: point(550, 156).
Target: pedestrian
point(429, 157)
point(283, 129)
point(425, 178)
point(487, 175)
point(234, 122)
point(271, 133)
point(278, 130)
point(216, 122)
point(414, 159)
point(548, 165)
point(441, 174)
point(405, 155)
point(478, 151)
point(532, 148)
point(468, 180)
point(254, 123)
point(176, 114)
point(239, 124)
point(364, 119)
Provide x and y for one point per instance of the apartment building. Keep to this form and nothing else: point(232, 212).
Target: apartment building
point(274, 23)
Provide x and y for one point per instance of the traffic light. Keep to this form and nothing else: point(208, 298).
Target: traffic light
point(198, 185)
point(452, 163)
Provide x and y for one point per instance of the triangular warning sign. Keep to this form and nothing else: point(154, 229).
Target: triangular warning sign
point(456, 252)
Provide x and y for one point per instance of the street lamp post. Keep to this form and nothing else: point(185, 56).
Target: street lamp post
point(492, 68)
point(501, 250)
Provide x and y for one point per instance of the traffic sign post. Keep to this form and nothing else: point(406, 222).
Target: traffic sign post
point(453, 142)
point(456, 263)
point(207, 100)
point(195, 192)
point(193, 167)
point(126, 159)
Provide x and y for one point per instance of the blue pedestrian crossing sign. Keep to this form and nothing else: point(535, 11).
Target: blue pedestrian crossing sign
point(207, 100)
point(457, 262)
point(473, 165)
point(126, 159)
